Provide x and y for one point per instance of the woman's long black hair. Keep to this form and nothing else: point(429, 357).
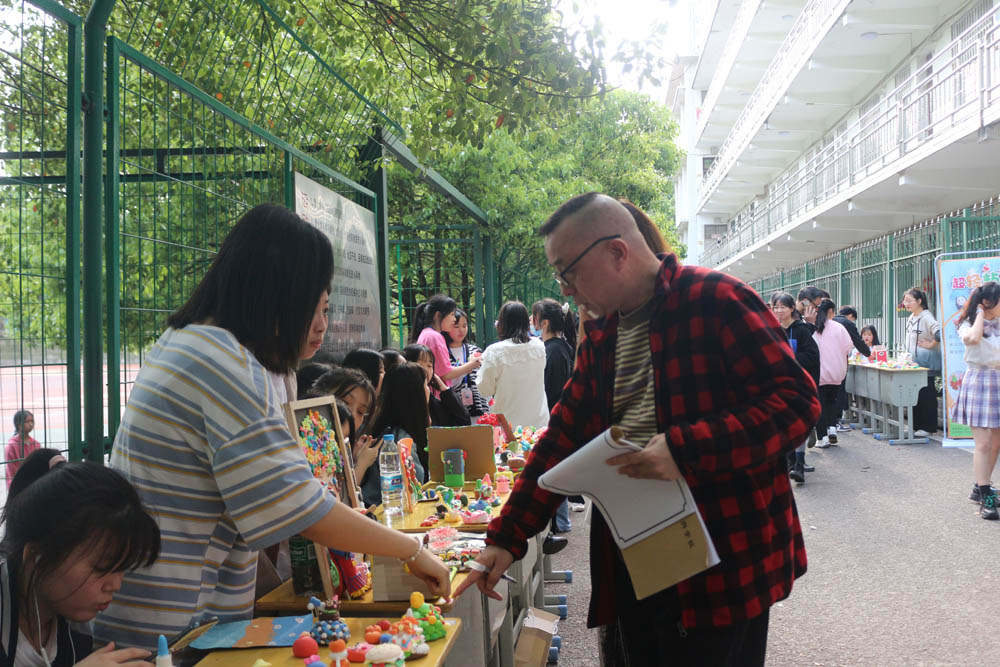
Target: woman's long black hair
point(264, 285)
point(822, 314)
point(402, 404)
point(988, 292)
point(424, 314)
point(562, 320)
point(513, 322)
point(52, 511)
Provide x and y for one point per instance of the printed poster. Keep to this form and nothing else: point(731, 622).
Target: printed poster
point(354, 297)
point(955, 281)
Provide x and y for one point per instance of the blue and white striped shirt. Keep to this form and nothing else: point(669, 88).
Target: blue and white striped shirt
point(204, 441)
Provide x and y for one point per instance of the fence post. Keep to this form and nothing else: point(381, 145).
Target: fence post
point(112, 245)
point(95, 33)
point(842, 283)
point(890, 292)
point(966, 213)
point(371, 160)
point(490, 307)
point(477, 282)
point(73, 103)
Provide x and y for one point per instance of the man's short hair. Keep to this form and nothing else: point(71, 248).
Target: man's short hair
point(811, 293)
point(571, 207)
point(849, 311)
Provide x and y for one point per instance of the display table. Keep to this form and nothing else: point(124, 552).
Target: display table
point(410, 523)
point(282, 657)
point(886, 397)
point(283, 600)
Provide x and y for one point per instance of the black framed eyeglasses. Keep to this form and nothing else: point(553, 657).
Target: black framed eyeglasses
point(561, 276)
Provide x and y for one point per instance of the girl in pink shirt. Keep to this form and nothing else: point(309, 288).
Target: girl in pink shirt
point(834, 346)
point(20, 444)
point(433, 316)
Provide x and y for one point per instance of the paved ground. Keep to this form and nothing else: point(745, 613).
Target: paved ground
point(901, 568)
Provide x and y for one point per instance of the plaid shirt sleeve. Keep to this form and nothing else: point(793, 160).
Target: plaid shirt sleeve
point(530, 507)
point(776, 400)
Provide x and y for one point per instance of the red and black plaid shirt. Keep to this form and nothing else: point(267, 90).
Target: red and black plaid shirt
point(732, 401)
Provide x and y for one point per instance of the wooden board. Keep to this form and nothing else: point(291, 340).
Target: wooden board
point(282, 657)
point(283, 600)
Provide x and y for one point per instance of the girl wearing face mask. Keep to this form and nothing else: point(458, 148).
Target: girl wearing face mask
point(460, 350)
point(71, 531)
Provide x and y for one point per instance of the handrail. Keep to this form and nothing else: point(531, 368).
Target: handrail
point(816, 18)
point(737, 35)
point(960, 83)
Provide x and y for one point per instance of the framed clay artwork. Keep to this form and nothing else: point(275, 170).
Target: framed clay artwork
point(315, 423)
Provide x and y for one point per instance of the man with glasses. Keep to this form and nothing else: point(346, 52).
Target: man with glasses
point(691, 363)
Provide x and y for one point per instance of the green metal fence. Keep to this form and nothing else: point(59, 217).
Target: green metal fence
point(873, 275)
point(40, 220)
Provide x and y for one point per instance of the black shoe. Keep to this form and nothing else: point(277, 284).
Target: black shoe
point(988, 507)
point(797, 474)
point(808, 468)
point(975, 495)
point(553, 545)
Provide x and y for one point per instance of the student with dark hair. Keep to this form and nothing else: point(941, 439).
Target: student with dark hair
point(869, 334)
point(21, 444)
point(391, 357)
point(807, 354)
point(650, 232)
point(923, 342)
point(445, 408)
point(808, 299)
point(352, 387)
point(834, 345)
point(978, 401)
point(402, 411)
point(847, 317)
point(307, 374)
point(513, 371)
point(368, 362)
point(70, 533)
point(460, 351)
point(205, 442)
point(430, 320)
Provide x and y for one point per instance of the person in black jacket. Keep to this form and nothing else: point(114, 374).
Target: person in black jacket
point(445, 409)
point(807, 354)
point(71, 531)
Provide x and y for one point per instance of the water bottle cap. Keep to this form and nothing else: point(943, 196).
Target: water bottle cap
point(389, 436)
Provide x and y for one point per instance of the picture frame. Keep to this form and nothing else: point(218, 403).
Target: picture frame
point(316, 426)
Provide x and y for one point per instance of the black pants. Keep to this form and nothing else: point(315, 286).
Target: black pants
point(829, 398)
point(660, 641)
point(925, 413)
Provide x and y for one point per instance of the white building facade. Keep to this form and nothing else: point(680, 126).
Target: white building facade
point(815, 127)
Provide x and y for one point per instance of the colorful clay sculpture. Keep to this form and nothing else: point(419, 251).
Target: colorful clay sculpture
point(327, 625)
point(515, 462)
point(357, 652)
point(373, 634)
point(338, 654)
point(304, 646)
point(478, 516)
point(478, 505)
point(503, 483)
point(385, 655)
point(313, 659)
point(408, 635)
point(428, 616)
point(454, 467)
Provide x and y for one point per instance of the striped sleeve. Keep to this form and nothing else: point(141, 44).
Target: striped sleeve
point(266, 485)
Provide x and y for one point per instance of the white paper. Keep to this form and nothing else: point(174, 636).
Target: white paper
point(633, 508)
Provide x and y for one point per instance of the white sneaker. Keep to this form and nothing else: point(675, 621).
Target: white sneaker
point(577, 507)
point(824, 443)
point(921, 433)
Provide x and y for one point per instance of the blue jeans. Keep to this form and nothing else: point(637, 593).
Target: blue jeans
point(560, 522)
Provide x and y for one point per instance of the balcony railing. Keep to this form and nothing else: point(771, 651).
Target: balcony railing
point(737, 34)
point(816, 19)
point(957, 85)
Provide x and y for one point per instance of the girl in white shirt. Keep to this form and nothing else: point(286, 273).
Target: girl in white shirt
point(513, 370)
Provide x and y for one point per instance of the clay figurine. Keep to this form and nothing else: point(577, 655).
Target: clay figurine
point(357, 652)
point(327, 625)
point(338, 654)
point(385, 655)
point(503, 484)
point(407, 635)
point(428, 616)
point(304, 646)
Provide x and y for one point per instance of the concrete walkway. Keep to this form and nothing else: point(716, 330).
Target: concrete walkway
point(902, 571)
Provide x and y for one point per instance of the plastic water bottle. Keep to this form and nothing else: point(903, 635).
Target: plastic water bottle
point(391, 475)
